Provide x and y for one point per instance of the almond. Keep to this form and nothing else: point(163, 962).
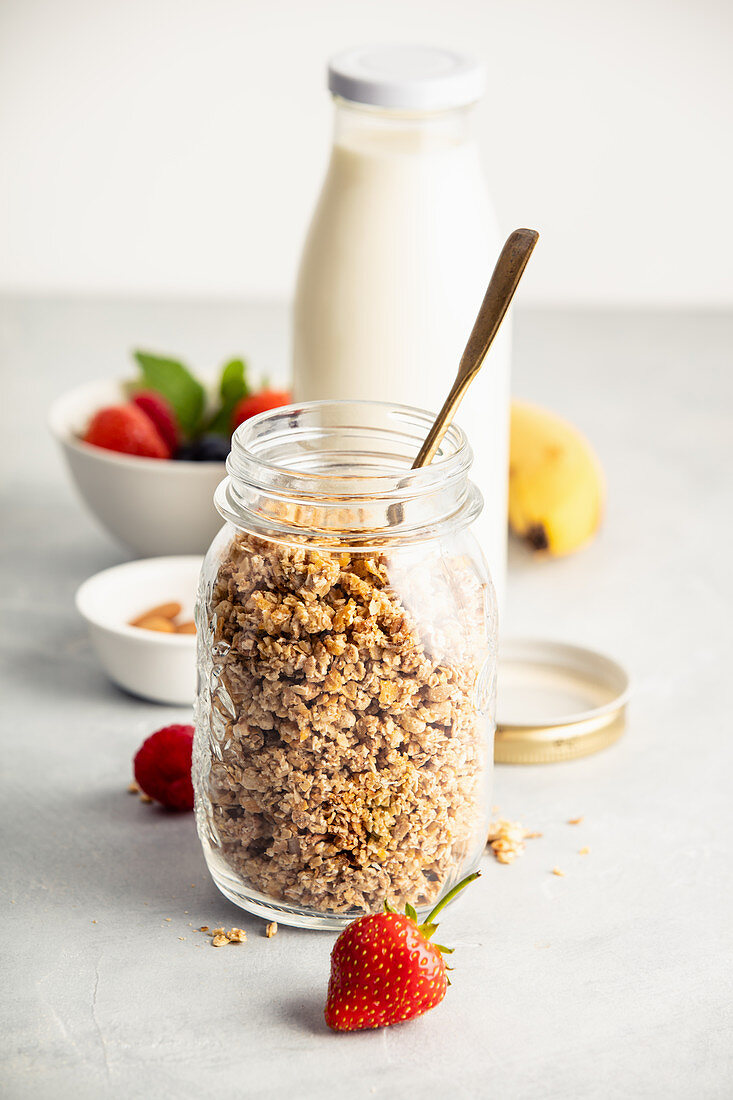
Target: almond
point(163, 611)
point(155, 622)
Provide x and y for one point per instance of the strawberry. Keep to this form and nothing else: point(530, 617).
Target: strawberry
point(126, 429)
point(384, 969)
point(162, 767)
point(160, 412)
point(257, 403)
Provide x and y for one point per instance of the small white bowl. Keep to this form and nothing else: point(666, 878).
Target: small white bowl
point(161, 667)
point(152, 505)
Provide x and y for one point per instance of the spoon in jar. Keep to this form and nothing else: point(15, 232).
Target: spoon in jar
point(509, 269)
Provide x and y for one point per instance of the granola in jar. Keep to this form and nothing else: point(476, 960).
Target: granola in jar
point(343, 724)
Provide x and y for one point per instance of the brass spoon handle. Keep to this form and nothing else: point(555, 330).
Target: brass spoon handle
point(500, 291)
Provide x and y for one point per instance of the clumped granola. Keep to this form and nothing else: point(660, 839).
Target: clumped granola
point(506, 839)
point(221, 938)
point(347, 756)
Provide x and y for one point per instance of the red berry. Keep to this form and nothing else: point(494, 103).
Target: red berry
point(127, 429)
point(257, 403)
point(163, 767)
point(384, 969)
point(161, 413)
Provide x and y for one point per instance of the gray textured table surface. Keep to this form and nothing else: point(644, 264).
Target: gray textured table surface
point(613, 981)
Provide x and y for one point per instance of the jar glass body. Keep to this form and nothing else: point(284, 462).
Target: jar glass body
point(347, 654)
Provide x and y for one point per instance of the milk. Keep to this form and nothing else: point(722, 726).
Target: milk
point(399, 253)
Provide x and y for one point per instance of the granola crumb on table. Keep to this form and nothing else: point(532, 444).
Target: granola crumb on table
point(346, 757)
point(506, 839)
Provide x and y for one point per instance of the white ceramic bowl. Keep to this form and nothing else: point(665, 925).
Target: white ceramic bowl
point(152, 505)
point(157, 666)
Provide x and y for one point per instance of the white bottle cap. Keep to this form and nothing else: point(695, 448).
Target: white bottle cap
point(409, 78)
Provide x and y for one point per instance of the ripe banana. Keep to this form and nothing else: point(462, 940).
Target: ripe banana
point(556, 486)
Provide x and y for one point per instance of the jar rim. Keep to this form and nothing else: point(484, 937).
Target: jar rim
point(342, 470)
point(452, 460)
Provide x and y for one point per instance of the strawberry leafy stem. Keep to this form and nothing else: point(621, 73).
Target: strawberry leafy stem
point(428, 927)
point(430, 922)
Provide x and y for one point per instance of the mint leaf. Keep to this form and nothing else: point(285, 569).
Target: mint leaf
point(232, 388)
point(233, 385)
point(173, 381)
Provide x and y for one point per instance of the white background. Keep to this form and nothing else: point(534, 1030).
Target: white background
point(166, 147)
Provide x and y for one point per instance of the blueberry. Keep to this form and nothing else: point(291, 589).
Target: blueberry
point(207, 448)
point(213, 448)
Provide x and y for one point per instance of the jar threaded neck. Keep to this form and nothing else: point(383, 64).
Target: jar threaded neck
point(342, 470)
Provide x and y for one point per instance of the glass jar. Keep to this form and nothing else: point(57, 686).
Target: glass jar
point(347, 654)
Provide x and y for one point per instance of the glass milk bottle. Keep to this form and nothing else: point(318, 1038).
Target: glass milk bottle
point(399, 253)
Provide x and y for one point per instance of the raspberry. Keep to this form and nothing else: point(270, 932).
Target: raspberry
point(160, 412)
point(127, 429)
point(163, 767)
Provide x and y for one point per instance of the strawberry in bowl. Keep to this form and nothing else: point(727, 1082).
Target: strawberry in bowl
point(256, 403)
point(127, 430)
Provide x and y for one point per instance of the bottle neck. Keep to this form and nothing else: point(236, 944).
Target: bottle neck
point(367, 128)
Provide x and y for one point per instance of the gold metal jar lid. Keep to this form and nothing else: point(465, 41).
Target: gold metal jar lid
point(556, 702)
